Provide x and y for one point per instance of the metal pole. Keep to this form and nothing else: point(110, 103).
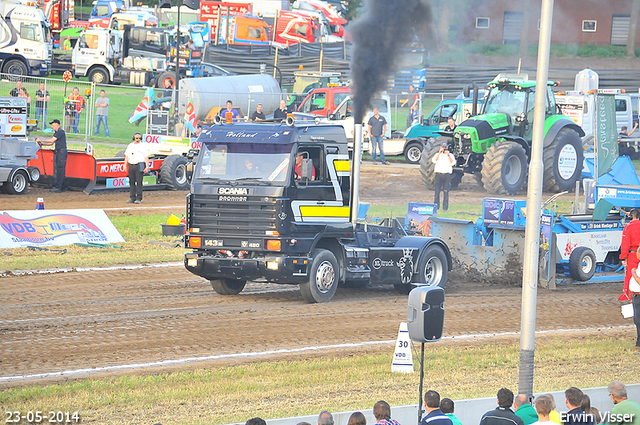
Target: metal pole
point(534, 205)
point(355, 180)
point(175, 88)
point(421, 381)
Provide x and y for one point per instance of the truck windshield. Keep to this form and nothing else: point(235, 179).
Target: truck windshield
point(244, 162)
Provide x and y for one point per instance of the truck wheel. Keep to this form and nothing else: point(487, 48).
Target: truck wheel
point(433, 267)
point(15, 67)
point(99, 76)
point(173, 172)
point(171, 76)
point(226, 286)
point(582, 263)
point(18, 184)
point(563, 161)
point(412, 152)
point(504, 168)
point(323, 277)
point(34, 174)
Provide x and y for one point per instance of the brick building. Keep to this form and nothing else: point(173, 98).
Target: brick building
point(599, 22)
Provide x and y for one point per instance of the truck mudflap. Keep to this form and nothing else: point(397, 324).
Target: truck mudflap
point(278, 269)
point(414, 259)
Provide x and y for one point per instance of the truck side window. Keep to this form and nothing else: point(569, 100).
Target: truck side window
point(311, 156)
point(621, 105)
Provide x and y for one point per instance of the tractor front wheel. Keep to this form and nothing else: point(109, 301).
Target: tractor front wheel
point(504, 168)
point(427, 167)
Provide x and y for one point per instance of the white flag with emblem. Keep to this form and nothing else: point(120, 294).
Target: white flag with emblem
point(402, 358)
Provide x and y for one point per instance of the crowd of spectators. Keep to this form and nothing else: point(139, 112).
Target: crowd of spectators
point(511, 410)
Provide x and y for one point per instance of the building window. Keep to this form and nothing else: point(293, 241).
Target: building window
point(482, 23)
point(589, 26)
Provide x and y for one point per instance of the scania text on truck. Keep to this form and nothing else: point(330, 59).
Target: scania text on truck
point(271, 202)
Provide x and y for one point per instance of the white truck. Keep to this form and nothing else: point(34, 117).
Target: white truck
point(26, 46)
point(579, 106)
point(100, 54)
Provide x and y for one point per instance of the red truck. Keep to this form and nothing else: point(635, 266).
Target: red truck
point(322, 100)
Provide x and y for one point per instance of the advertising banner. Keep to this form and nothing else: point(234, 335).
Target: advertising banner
point(606, 133)
point(418, 216)
point(55, 227)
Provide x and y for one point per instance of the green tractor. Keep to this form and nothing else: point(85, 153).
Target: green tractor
point(495, 145)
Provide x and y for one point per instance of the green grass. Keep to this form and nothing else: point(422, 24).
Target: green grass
point(340, 382)
point(137, 231)
point(100, 150)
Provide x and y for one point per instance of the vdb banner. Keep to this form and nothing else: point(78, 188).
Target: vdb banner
point(55, 227)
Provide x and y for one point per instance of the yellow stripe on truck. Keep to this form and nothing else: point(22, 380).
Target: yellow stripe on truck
point(341, 165)
point(320, 211)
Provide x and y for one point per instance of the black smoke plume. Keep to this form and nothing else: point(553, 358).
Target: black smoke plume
point(378, 34)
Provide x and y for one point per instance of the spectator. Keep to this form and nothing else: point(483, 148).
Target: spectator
point(524, 409)
point(230, 114)
point(377, 128)
point(623, 131)
point(102, 112)
point(412, 116)
point(589, 410)
point(575, 415)
point(42, 102)
point(136, 160)
point(502, 415)
point(597, 417)
point(628, 256)
point(412, 97)
point(256, 421)
point(382, 413)
point(66, 44)
point(23, 93)
point(357, 418)
point(434, 414)
point(624, 148)
point(15, 92)
point(443, 170)
point(74, 104)
point(447, 406)
point(325, 418)
point(622, 405)
point(554, 416)
point(59, 139)
point(282, 111)
point(451, 125)
point(258, 115)
point(544, 406)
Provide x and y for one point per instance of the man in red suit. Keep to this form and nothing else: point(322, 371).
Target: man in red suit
point(629, 250)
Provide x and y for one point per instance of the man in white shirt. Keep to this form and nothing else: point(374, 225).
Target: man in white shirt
point(136, 161)
point(443, 171)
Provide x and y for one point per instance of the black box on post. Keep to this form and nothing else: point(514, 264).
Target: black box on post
point(425, 314)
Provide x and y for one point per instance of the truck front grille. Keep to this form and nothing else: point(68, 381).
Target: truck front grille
point(254, 216)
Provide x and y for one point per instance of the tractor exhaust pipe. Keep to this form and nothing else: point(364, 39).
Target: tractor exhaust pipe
point(355, 176)
point(474, 107)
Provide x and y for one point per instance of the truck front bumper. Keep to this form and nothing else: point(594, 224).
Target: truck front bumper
point(279, 269)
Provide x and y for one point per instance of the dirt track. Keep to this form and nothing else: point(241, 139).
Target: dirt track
point(52, 323)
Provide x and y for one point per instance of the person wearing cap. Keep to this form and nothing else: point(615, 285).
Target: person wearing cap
point(59, 140)
point(136, 162)
point(443, 169)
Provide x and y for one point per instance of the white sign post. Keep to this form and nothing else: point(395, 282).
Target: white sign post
point(402, 358)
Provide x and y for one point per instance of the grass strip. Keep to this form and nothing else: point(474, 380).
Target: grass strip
point(343, 381)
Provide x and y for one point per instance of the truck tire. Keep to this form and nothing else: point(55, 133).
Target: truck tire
point(582, 263)
point(504, 168)
point(34, 174)
point(18, 184)
point(427, 167)
point(171, 76)
point(413, 152)
point(173, 172)
point(324, 276)
point(563, 160)
point(226, 286)
point(433, 267)
point(99, 75)
point(15, 68)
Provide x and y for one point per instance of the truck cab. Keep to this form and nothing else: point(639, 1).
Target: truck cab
point(105, 8)
point(272, 202)
point(323, 99)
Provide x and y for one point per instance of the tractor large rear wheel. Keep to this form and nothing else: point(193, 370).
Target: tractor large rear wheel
point(504, 168)
point(427, 167)
point(563, 160)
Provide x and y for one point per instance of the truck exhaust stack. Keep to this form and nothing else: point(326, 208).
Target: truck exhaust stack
point(355, 178)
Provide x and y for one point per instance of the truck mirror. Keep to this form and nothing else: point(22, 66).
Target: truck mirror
point(306, 169)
